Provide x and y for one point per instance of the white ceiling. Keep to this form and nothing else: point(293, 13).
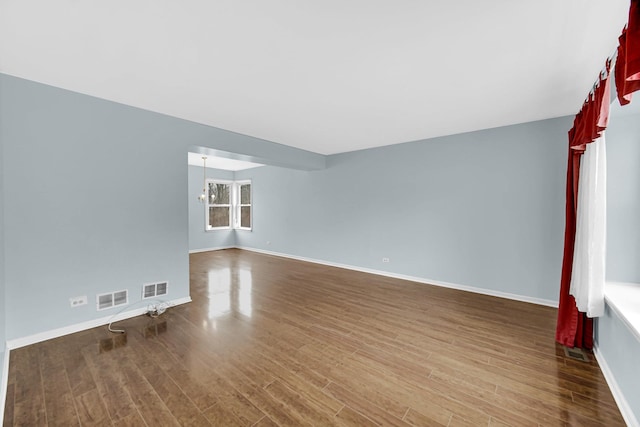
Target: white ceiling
point(326, 76)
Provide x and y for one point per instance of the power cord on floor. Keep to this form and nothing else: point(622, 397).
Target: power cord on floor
point(153, 310)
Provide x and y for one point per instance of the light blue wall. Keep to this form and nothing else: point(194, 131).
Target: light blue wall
point(2, 240)
point(616, 343)
point(199, 239)
point(621, 351)
point(623, 196)
point(95, 200)
point(482, 209)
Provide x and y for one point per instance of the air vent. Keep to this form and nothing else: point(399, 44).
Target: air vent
point(152, 290)
point(112, 299)
point(576, 353)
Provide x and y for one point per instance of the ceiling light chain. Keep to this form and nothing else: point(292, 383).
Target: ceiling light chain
point(202, 197)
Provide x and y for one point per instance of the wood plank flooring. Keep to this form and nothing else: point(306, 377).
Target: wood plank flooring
point(269, 341)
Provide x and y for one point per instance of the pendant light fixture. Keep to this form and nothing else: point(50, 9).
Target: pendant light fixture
point(203, 197)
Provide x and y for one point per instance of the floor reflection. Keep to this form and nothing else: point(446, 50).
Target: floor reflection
point(113, 342)
point(244, 295)
point(154, 328)
point(230, 293)
point(219, 287)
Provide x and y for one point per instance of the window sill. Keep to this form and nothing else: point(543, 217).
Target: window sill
point(624, 298)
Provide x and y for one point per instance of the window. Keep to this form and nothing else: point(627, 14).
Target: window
point(218, 213)
point(242, 195)
point(228, 205)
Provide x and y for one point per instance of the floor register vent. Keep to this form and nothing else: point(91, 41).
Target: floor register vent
point(576, 353)
point(152, 290)
point(112, 299)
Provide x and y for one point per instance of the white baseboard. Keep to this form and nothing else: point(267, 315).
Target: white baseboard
point(5, 381)
point(55, 333)
point(618, 396)
point(217, 248)
point(483, 291)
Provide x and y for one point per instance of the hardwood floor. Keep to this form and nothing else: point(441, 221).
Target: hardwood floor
point(270, 341)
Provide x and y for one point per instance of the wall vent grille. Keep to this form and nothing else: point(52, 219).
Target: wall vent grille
point(112, 299)
point(152, 290)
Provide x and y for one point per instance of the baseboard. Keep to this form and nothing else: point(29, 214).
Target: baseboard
point(5, 381)
point(618, 396)
point(55, 333)
point(217, 248)
point(482, 291)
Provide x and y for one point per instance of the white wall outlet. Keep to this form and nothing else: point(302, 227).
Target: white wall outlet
point(78, 301)
point(268, 242)
point(385, 259)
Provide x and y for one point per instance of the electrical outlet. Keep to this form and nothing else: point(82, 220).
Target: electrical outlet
point(385, 259)
point(78, 301)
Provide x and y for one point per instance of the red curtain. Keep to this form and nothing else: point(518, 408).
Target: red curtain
point(574, 328)
point(627, 73)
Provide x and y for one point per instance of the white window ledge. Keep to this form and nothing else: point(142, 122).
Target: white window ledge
point(624, 298)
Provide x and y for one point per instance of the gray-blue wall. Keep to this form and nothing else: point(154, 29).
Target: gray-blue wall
point(623, 196)
point(95, 201)
point(95, 198)
point(199, 239)
point(482, 209)
point(2, 264)
point(619, 347)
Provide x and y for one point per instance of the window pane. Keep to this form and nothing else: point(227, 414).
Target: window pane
point(219, 216)
point(212, 192)
point(245, 194)
point(218, 193)
point(245, 216)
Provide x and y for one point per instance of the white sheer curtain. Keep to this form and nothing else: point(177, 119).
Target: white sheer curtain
point(587, 281)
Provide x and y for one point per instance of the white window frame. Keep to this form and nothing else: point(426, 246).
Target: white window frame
point(234, 205)
point(238, 206)
point(208, 204)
